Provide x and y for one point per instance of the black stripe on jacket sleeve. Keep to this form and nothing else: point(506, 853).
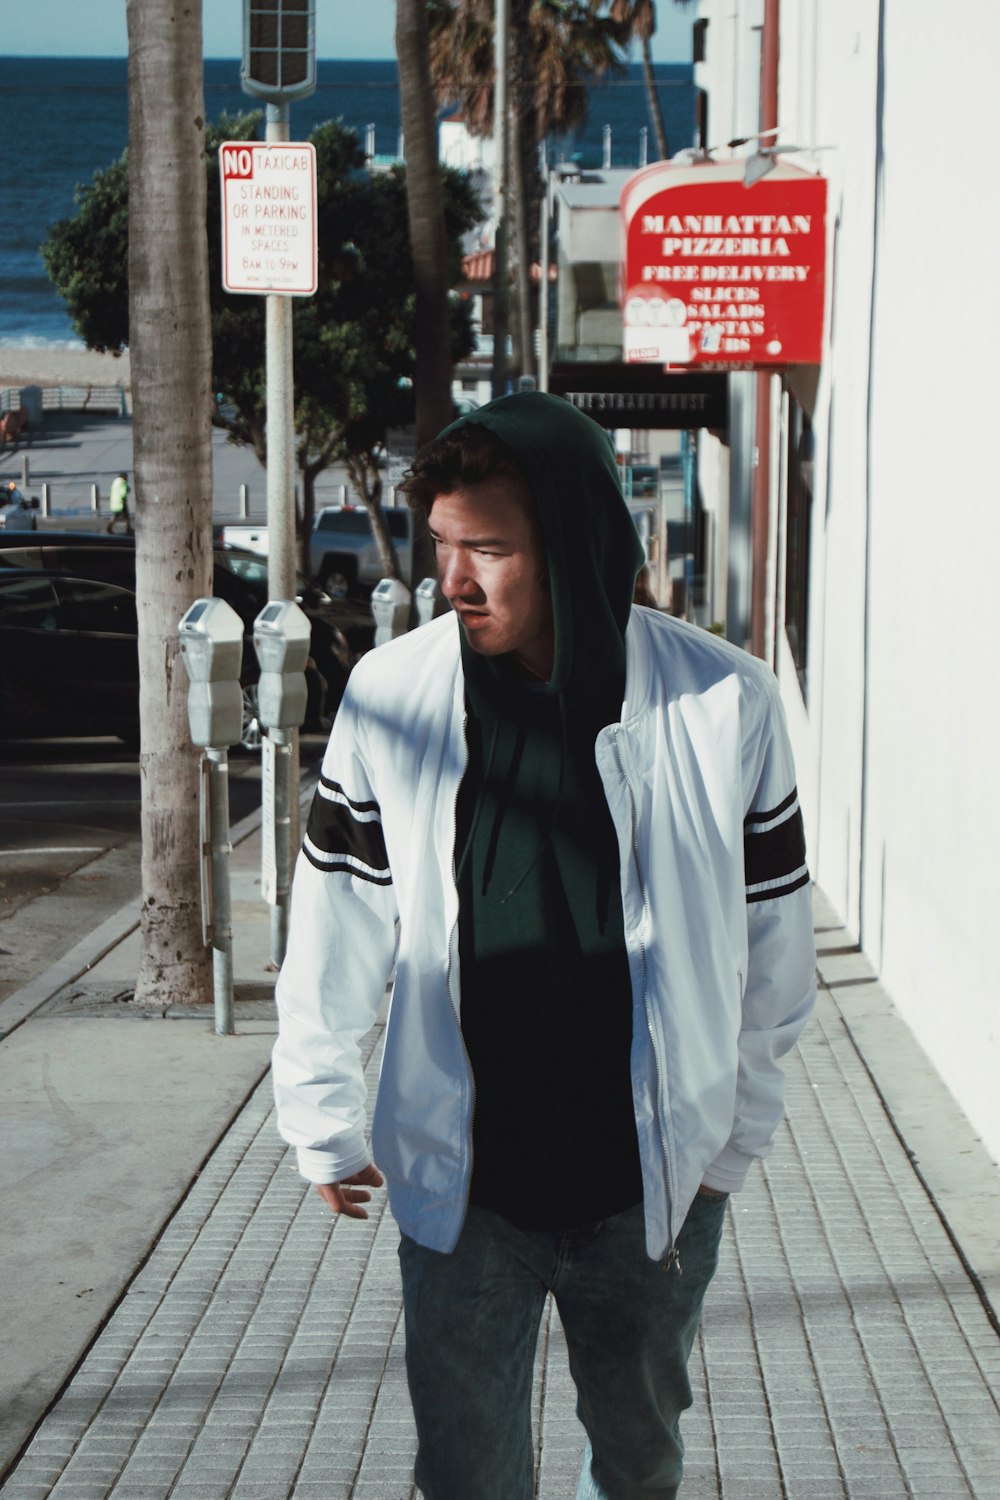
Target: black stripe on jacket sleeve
point(774, 851)
point(345, 835)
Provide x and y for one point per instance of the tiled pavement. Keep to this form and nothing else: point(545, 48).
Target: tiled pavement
point(258, 1354)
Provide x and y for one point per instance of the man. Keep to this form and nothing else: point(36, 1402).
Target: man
point(572, 826)
point(118, 503)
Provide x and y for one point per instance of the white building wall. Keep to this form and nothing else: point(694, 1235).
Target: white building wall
point(895, 732)
point(933, 819)
point(840, 106)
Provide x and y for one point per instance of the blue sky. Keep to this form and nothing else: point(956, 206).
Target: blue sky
point(344, 28)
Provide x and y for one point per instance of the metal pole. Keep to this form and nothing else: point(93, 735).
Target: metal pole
point(280, 421)
point(543, 290)
point(501, 290)
point(607, 147)
point(760, 522)
point(95, 499)
point(280, 518)
point(25, 471)
point(45, 499)
point(282, 842)
point(244, 502)
point(222, 920)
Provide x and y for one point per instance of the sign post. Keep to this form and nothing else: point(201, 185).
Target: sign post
point(271, 194)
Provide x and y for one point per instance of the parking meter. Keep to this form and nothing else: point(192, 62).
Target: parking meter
point(281, 635)
point(427, 594)
point(391, 608)
point(211, 635)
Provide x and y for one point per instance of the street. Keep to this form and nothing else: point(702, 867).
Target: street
point(69, 841)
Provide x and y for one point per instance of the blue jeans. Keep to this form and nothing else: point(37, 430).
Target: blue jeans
point(472, 1321)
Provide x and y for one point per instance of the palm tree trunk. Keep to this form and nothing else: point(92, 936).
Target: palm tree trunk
point(428, 242)
point(425, 208)
point(655, 112)
point(171, 354)
point(524, 353)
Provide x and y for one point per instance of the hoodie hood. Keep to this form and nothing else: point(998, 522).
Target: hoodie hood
point(591, 546)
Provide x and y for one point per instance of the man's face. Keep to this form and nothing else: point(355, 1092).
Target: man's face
point(492, 569)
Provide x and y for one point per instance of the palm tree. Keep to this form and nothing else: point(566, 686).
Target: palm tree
point(639, 16)
point(556, 47)
point(171, 353)
point(425, 209)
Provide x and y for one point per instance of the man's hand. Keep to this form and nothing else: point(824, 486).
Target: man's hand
point(347, 1197)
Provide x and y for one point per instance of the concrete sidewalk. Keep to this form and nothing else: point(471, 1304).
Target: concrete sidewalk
point(188, 1321)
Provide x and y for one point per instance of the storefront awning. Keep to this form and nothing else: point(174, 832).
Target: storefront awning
point(618, 395)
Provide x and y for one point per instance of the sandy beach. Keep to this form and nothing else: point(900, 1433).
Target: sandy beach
point(20, 367)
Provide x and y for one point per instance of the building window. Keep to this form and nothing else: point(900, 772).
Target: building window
point(797, 528)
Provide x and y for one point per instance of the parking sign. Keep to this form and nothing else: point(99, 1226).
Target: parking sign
point(269, 217)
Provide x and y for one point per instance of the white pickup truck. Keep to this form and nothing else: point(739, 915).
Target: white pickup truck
point(343, 554)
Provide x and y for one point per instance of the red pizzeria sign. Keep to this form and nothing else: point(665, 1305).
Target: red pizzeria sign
point(721, 275)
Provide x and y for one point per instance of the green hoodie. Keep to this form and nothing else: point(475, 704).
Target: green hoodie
point(546, 996)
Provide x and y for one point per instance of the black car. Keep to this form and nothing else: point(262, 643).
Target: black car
point(338, 635)
point(69, 660)
point(68, 656)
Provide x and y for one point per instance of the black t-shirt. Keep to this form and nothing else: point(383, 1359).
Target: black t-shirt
point(546, 992)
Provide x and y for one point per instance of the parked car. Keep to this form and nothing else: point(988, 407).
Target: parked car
point(343, 554)
point(240, 579)
point(246, 536)
point(68, 656)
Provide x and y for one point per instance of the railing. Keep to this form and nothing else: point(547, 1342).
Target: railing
point(72, 398)
point(79, 512)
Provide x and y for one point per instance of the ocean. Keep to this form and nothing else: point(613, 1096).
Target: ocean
point(65, 118)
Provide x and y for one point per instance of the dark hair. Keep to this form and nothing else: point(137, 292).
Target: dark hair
point(470, 455)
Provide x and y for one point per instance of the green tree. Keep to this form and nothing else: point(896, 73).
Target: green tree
point(354, 341)
point(163, 199)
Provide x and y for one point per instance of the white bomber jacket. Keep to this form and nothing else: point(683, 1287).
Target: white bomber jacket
point(699, 780)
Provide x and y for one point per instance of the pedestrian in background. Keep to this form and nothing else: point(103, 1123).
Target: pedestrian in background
point(118, 503)
point(570, 824)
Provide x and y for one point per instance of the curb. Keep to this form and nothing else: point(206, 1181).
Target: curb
point(22, 1004)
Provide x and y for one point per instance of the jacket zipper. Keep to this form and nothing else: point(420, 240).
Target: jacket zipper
point(672, 1260)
